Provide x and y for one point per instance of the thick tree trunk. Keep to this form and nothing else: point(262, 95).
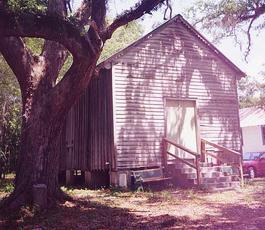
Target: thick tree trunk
point(38, 162)
point(44, 108)
point(45, 103)
point(43, 116)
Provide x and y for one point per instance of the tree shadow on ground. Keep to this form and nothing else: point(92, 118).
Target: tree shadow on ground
point(246, 212)
point(84, 214)
point(245, 217)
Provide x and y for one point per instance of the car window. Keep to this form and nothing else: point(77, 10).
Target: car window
point(251, 156)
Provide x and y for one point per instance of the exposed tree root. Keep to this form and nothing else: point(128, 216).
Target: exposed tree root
point(16, 200)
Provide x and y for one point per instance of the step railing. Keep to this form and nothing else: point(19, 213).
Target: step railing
point(225, 156)
point(195, 165)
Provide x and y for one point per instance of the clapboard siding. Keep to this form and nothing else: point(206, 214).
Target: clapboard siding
point(89, 128)
point(121, 117)
point(170, 63)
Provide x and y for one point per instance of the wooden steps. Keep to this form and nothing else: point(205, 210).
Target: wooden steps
point(224, 170)
point(213, 178)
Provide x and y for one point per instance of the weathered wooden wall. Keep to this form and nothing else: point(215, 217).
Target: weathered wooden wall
point(171, 63)
point(89, 128)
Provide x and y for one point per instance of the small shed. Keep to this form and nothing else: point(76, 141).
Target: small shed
point(172, 83)
point(252, 122)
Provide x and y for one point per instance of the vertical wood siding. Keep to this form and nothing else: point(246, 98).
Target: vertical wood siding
point(89, 128)
point(170, 63)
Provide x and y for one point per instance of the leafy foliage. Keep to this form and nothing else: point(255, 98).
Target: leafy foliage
point(46, 103)
point(10, 98)
point(251, 92)
point(10, 101)
point(10, 110)
point(7, 184)
point(34, 44)
point(230, 18)
point(30, 5)
point(121, 38)
point(225, 18)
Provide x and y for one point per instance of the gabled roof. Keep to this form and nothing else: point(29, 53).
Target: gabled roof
point(252, 116)
point(178, 18)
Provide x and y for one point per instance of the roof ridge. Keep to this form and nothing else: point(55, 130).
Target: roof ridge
point(192, 29)
point(118, 53)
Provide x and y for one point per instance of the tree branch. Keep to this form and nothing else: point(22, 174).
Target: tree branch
point(54, 53)
point(249, 38)
point(258, 11)
point(55, 56)
point(19, 59)
point(45, 26)
point(73, 84)
point(78, 76)
point(83, 14)
point(85, 17)
point(98, 13)
point(141, 8)
point(57, 7)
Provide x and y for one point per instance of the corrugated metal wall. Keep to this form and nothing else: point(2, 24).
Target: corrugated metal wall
point(171, 63)
point(89, 128)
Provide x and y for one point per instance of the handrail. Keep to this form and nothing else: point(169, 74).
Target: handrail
point(212, 155)
point(182, 160)
point(221, 147)
point(197, 156)
point(239, 164)
point(201, 157)
point(181, 147)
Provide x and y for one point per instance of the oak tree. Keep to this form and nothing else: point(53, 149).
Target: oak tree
point(45, 98)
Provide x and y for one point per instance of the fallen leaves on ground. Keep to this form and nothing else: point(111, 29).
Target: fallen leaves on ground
point(169, 209)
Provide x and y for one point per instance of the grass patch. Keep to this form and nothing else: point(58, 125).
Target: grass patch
point(172, 208)
point(72, 191)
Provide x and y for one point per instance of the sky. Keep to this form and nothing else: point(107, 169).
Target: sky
point(255, 61)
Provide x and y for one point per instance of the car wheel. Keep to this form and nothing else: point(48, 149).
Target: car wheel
point(251, 172)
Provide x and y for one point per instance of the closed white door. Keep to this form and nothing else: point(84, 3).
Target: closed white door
point(181, 126)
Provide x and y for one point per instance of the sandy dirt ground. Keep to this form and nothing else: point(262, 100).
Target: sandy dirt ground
point(169, 209)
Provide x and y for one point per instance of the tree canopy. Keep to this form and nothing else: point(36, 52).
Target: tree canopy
point(10, 98)
point(47, 91)
point(251, 92)
point(121, 38)
point(230, 18)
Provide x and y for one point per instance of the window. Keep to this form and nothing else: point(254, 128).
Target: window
point(263, 134)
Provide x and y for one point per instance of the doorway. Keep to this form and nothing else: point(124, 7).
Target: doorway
point(182, 126)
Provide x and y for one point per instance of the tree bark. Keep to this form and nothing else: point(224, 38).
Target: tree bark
point(45, 103)
point(44, 109)
point(38, 161)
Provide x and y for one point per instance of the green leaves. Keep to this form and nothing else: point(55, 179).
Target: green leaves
point(251, 92)
point(121, 38)
point(225, 18)
point(10, 112)
point(28, 5)
point(34, 44)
